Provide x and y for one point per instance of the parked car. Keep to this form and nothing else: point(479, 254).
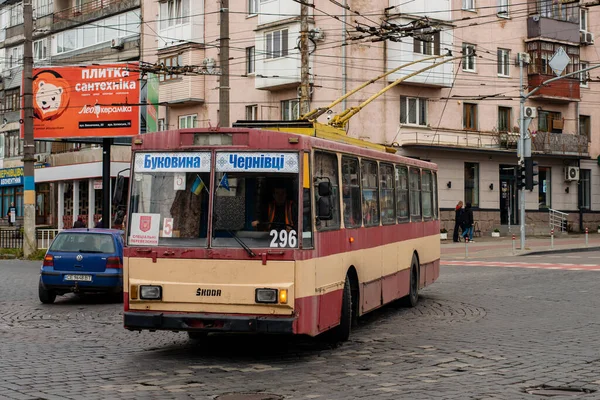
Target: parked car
point(83, 261)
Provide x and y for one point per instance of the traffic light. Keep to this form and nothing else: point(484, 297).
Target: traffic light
point(521, 177)
point(530, 172)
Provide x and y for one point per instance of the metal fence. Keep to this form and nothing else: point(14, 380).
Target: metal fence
point(11, 239)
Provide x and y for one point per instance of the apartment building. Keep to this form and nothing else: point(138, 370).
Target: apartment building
point(462, 114)
point(66, 32)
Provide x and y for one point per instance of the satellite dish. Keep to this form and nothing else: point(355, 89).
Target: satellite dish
point(209, 64)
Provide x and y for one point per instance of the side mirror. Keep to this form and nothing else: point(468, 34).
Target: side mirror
point(324, 208)
point(325, 189)
point(119, 188)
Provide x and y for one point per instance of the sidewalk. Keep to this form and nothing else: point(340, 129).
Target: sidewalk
point(489, 247)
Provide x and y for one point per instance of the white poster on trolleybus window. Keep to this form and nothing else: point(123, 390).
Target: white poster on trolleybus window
point(144, 229)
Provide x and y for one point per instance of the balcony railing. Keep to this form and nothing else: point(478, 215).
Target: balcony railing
point(83, 9)
point(559, 143)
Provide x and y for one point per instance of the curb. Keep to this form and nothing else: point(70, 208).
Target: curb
point(558, 251)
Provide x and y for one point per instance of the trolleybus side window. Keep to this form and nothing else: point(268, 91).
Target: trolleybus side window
point(415, 193)
point(370, 193)
point(388, 207)
point(351, 192)
point(435, 196)
point(402, 193)
point(427, 194)
point(326, 170)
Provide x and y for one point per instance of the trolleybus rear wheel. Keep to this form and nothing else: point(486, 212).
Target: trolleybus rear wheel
point(413, 295)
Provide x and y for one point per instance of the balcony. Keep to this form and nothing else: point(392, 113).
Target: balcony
point(560, 143)
point(548, 28)
point(90, 11)
point(561, 91)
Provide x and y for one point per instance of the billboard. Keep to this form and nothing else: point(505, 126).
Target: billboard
point(86, 101)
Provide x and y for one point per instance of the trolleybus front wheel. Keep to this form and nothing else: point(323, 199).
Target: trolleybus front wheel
point(413, 294)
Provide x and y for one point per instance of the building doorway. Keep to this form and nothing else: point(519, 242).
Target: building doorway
point(508, 195)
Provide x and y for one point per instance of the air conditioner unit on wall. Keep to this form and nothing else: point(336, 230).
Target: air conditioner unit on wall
point(571, 174)
point(530, 112)
point(524, 56)
point(41, 158)
point(117, 43)
point(586, 37)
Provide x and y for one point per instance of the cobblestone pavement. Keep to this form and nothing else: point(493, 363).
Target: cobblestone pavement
point(478, 333)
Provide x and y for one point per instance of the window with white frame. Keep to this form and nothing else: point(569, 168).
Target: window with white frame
point(583, 19)
point(584, 76)
point(276, 45)
point(42, 7)
point(188, 121)
point(16, 14)
point(40, 49)
point(503, 62)
point(252, 112)
point(427, 44)
point(503, 8)
point(468, 5)
point(174, 12)
point(413, 111)
point(468, 51)
point(15, 57)
point(290, 110)
point(13, 145)
point(250, 60)
point(252, 7)
point(162, 125)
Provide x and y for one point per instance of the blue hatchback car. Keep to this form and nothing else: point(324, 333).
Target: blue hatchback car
point(83, 261)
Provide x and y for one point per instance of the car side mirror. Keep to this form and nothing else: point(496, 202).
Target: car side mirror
point(325, 189)
point(324, 208)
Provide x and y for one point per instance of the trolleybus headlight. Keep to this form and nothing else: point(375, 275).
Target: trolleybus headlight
point(266, 296)
point(150, 292)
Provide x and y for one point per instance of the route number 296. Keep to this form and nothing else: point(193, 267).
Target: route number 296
point(283, 238)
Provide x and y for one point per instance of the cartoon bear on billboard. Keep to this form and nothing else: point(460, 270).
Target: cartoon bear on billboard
point(50, 95)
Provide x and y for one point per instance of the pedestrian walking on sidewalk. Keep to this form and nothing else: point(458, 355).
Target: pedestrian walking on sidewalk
point(458, 212)
point(468, 223)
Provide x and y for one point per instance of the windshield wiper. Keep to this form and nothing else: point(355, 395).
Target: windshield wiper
point(241, 243)
point(90, 251)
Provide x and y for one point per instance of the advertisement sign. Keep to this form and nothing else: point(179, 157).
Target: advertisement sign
point(257, 162)
point(11, 176)
point(144, 229)
point(172, 162)
point(97, 184)
point(152, 104)
point(86, 101)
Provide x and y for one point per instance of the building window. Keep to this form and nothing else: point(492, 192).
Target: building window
point(402, 194)
point(188, 121)
point(468, 51)
point(414, 181)
point(429, 44)
point(15, 57)
point(468, 5)
point(40, 49)
point(503, 62)
point(585, 126)
point(542, 52)
point(470, 116)
point(162, 125)
point(584, 76)
point(13, 146)
point(413, 111)
point(252, 112)
point(168, 62)
point(370, 195)
point(583, 19)
point(386, 188)
point(11, 100)
point(472, 184)
point(250, 60)
point(326, 169)
point(42, 7)
point(290, 110)
point(559, 9)
point(252, 7)
point(276, 44)
point(16, 14)
point(544, 188)
point(549, 121)
point(585, 188)
point(504, 119)
point(174, 12)
point(351, 193)
point(503, 8)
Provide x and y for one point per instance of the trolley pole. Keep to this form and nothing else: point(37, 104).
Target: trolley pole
point(29, 233)
point(224, 62)
point(304, 61)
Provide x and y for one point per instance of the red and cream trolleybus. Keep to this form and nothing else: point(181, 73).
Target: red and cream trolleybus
point(290, 229)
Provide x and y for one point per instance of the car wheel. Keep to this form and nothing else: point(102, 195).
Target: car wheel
point(46, 296)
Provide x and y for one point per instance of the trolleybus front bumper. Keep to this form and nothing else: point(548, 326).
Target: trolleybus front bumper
point(206, 322)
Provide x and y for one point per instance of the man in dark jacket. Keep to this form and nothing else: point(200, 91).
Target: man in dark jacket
point(468, 223)
point(458, 212)
point(79, 223)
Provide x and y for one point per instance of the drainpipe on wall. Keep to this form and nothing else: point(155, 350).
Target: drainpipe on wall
point(580, 198)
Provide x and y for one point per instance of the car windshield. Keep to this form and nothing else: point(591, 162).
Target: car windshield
point(169, 199)
point(258, 207)
point(80, 242)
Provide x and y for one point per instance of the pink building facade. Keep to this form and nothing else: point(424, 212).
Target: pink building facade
point(462, 114)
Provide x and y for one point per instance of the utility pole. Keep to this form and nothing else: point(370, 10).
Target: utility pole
point(29, 233)
point(304, 67)
point(224, 61)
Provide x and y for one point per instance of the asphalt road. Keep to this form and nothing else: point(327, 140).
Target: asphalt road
point(480, 332)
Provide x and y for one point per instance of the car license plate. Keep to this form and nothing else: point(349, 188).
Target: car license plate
point(86, 278)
